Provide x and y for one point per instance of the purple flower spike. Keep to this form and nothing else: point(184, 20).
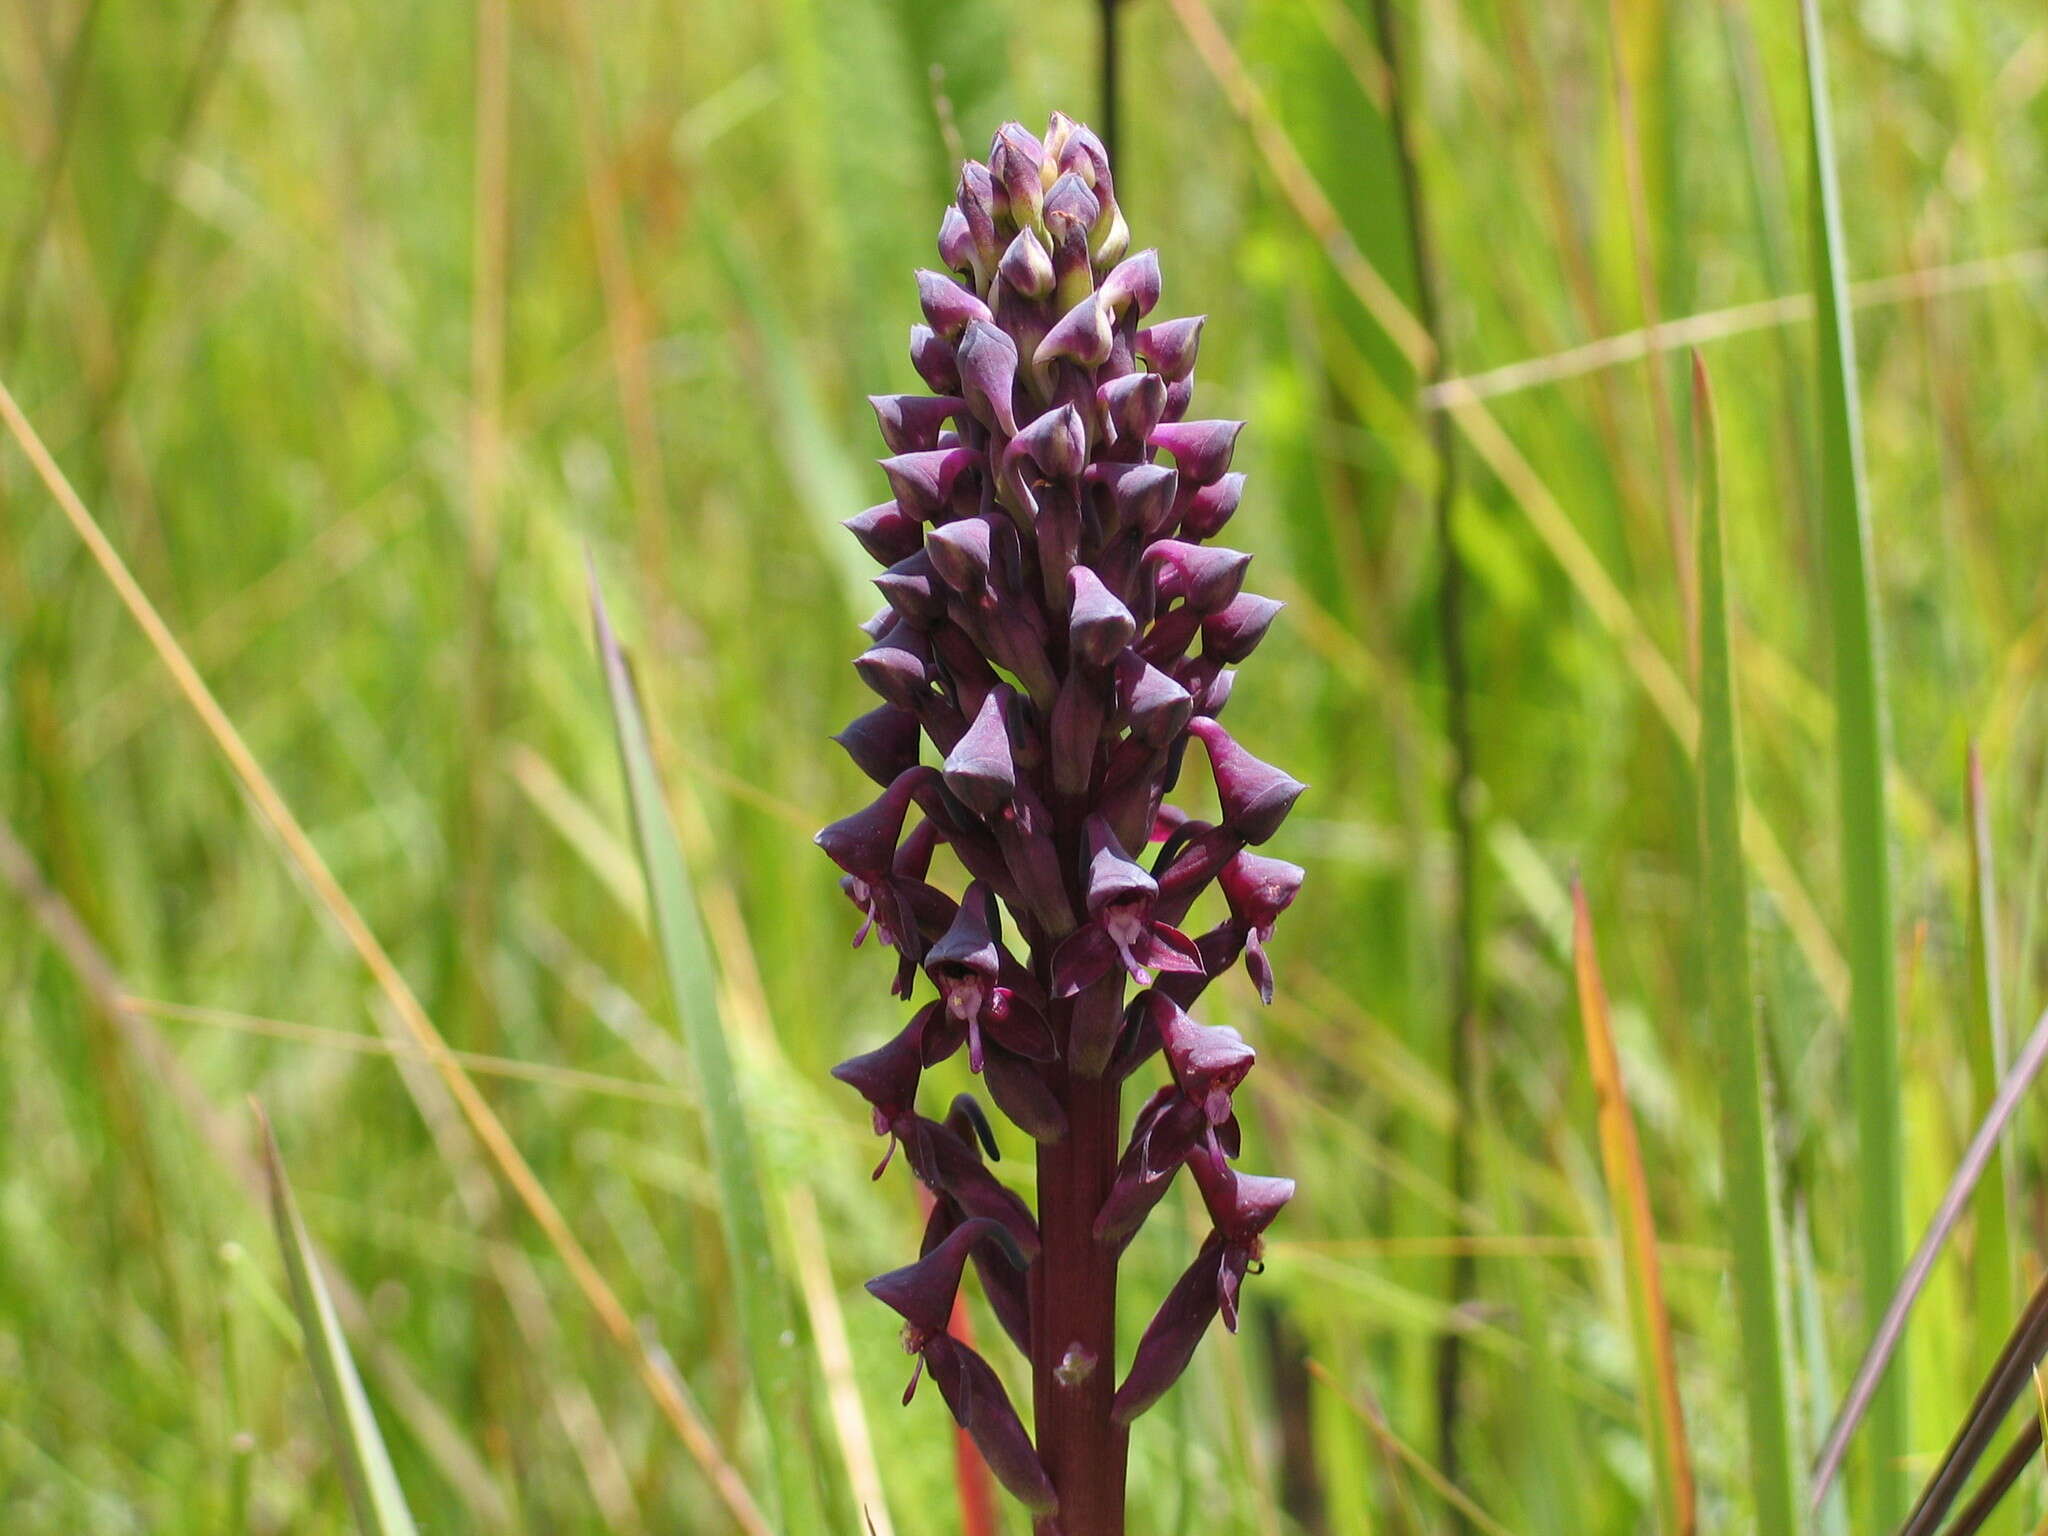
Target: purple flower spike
point(1170, 347)
point(1256, 796)
point(1058, 626)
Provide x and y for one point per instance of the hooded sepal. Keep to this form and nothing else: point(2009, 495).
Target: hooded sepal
point(1256, 796)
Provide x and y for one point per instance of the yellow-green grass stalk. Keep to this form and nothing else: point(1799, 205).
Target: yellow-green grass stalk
point(1860, 749)
point(373, 1491)
point(1748, 1170)
point(776, 1373)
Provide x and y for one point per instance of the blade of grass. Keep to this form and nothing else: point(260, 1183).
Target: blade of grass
point(1367, 1407)
point(1546, 514)
point(664, 1386)
point(1976, 1158)
point(776, 1375)
point(432, 1429)
point(373, 1490)
point(1859, 761)
point(1748, 1168)
point(1628, 1189)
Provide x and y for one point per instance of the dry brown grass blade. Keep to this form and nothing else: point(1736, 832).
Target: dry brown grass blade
point(665, 1387)
point(1622, 1156)
point(437, 1434)
point(1546, 514)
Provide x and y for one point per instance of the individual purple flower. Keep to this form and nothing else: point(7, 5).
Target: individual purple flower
point(1057, 627)
point(1259, 889)
point(923, 1293)
point(1242, 1206)
point(1120, 928)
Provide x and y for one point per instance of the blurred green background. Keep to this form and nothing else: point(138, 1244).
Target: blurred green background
point(356, 326)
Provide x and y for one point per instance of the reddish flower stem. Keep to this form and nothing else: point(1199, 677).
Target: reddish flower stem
point(1073, 1319)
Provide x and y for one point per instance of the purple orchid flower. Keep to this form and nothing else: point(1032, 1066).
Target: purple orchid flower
point(1057, 625)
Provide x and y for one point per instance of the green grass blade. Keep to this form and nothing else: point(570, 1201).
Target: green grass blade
point(1859, 762)
point(1750, 1176)
point(775, 1365)
point(373, 1490)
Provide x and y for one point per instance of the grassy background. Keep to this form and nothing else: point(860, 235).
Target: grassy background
point(354, 344)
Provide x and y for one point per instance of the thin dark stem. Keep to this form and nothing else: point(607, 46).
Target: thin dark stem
point(1073, 1318)
point(1465, 969)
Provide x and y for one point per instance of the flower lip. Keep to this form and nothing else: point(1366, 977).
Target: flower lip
point(1115, 879)
point(1259, 889)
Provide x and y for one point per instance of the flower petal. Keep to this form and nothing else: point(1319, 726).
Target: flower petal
point(982, 1408)
point(1173, 1334)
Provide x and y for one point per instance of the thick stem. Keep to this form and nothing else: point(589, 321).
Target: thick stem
point(1073, 1319)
